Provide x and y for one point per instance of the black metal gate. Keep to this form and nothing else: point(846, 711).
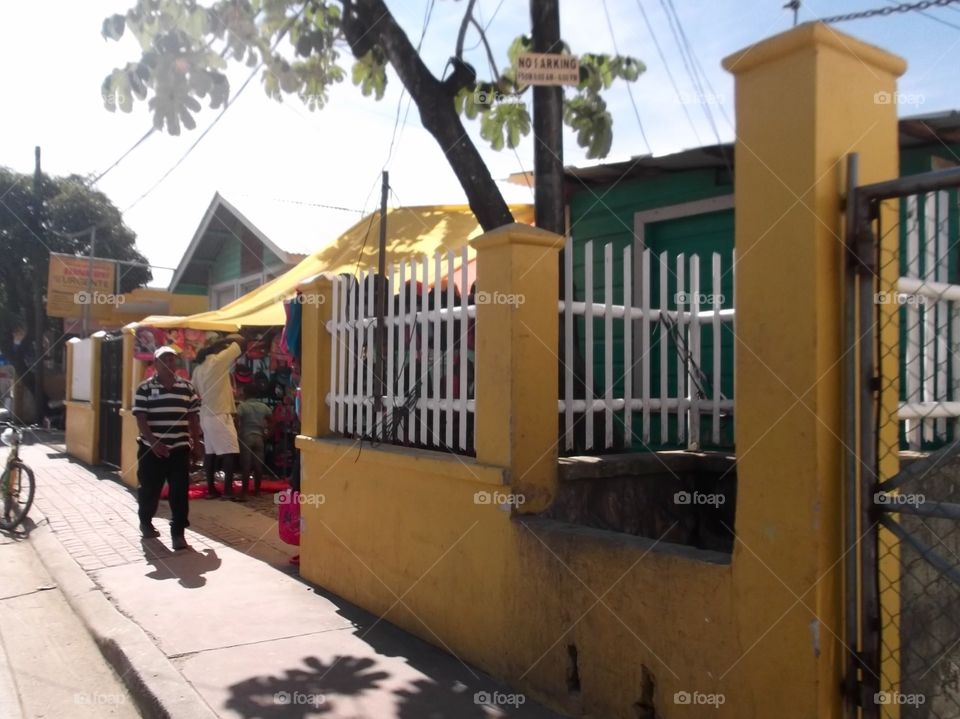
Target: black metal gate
point(111, 385)
point(902, 488)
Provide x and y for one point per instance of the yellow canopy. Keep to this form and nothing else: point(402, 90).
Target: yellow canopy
point(411, 232)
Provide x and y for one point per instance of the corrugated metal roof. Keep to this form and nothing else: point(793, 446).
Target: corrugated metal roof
point(934, 128)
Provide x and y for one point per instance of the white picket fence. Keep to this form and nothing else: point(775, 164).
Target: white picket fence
point(931, 315)
point(428, 398)
point(697, 391)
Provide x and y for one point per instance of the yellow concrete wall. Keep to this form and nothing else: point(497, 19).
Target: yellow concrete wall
point(128, 448)
point(82, 419)
point(132, 376)
point(399, 532)
point(80, 435)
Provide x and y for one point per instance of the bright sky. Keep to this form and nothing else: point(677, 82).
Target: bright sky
point(266, 156)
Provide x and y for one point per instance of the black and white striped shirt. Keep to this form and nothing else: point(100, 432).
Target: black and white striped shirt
point(167, 410)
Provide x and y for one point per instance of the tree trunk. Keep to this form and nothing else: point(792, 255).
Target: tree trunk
point(437, 113)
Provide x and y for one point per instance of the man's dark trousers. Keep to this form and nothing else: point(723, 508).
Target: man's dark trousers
point(152, 472)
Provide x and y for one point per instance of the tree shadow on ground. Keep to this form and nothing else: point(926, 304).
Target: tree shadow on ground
point(321, 689)
point(188, 566)
point(304, 692)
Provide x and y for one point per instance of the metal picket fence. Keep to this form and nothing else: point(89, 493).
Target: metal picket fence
point(427, 397)
point(657, 351)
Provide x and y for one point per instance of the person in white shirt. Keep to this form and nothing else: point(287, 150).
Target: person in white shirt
point(211, 377)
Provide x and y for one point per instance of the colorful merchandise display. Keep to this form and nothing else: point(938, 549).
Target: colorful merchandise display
point(265, 371)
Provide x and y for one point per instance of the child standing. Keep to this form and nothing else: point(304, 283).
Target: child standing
point(252, 417)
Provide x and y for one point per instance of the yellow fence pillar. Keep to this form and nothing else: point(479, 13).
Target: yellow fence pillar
point(132, 373)
point(516, 358)
point(316, 297)
point(68, 381)
point(95, 361)
point(804, 100)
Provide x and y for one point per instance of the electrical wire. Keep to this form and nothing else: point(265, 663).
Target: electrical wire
point(666, 66)
point(217, 119)
point(428, 14)
point(122, 157)
point(636, 110)
point(152, 130)
point(692, 65)
point(486, 26)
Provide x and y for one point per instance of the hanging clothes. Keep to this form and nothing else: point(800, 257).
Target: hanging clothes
point(291, 331)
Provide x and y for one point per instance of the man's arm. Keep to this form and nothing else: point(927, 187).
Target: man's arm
point(222, 358)
point(194, 420)
point(156, 445)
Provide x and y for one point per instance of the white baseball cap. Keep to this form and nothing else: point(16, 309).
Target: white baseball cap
point(165, 350)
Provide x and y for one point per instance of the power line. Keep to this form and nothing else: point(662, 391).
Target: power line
point(695, 61)
point(633, 101)
point(226, 107)
point(152, 130)
point(122, 157)
point(486, 26)
point(666, 66)
point(428, 14)
point(691, 64)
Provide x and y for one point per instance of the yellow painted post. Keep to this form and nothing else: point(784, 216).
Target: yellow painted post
point(126, 391)
point(315, 343)
point(95, 359)
point(68, 387)
point(804, 100)
point(132, 371)
point(517, 358)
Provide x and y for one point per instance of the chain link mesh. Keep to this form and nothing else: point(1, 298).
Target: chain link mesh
point(887, 10)
point(918, 563)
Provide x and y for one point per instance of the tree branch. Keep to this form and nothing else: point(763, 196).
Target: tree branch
point(370, 22)
point(467, 17)
point(483, 39)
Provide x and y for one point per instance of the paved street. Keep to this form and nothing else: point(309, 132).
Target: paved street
point(49, 664)
point(225, 628)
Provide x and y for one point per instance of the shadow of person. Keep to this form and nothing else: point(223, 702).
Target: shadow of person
point(304, 692)
point(188, 566)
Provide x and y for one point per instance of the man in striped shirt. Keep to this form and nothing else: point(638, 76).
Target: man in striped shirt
point(167, 410)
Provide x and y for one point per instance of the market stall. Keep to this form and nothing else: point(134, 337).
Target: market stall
point(270, 313)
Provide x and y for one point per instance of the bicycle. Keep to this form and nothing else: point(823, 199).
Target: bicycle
point(17, 484)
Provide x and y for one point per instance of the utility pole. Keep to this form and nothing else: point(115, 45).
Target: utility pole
point(548, 193)
point(38, 308)
point(547, 123)
point(86, 306)
point(380, 285)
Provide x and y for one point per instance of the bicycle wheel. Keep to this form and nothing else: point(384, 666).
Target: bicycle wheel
point(18, 492)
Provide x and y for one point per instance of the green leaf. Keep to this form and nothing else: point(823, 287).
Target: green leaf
point(197, 24)
point(369, 74)
point(187, 119)
point(505, 124)
point(586, 114)
point(520, 44)
point(113, 27)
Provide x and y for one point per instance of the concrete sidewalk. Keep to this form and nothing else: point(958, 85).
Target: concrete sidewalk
point(226, 628)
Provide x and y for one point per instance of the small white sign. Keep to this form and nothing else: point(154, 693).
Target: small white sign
point(542, 68)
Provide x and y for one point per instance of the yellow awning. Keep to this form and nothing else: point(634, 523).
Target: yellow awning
point(411, 232)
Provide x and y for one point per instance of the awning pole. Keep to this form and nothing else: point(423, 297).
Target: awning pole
point(380, 284)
